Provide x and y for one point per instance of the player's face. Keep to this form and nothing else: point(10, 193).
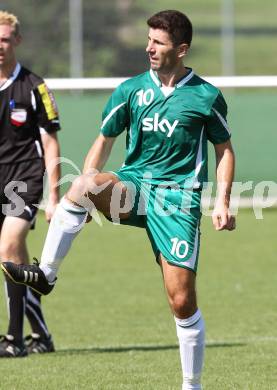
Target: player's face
point(163, 55)
point(8, 43)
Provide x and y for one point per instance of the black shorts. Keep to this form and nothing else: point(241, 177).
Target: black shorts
point(21, 189)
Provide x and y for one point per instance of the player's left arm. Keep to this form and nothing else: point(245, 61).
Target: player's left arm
point(51, 156)
point(225, 166)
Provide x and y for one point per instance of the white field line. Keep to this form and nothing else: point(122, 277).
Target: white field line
point(109, 83)
point(209, 342)
point(243, 340)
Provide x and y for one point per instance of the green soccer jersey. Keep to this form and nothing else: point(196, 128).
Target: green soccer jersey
point(167, 131)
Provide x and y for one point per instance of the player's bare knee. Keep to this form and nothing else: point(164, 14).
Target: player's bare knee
point(99, 180)
point(79, 186)
point(182, 304)
point(178, 302)
point(87, 190)
point(79, 190)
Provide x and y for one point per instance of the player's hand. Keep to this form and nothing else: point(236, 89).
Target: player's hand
point(222, 218)
point(49, 210)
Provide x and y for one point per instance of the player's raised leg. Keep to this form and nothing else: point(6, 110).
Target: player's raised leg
point(87, 192)
point(180, 287)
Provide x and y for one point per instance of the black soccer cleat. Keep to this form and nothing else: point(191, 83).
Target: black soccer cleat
point(30, 275)
point(10, 349)
point(36, 343)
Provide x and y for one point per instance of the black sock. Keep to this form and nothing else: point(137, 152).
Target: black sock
point(16, 299)
point(34, 313)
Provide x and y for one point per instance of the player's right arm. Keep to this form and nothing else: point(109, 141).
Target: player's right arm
point(115, 119)
point(98, 154)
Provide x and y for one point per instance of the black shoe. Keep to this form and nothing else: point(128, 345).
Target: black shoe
point(30, 275)
point(39, 344)
point(10, 349)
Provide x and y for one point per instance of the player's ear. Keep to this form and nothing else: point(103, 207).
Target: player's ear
point(183, 49)
point(18, 39)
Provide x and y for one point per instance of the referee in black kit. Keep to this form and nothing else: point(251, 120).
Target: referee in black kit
point(28, 141)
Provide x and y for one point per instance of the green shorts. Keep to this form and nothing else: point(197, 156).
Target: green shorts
point(171, 217)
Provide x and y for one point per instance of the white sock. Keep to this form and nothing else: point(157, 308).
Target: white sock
point(191, 335)
point(65, 224)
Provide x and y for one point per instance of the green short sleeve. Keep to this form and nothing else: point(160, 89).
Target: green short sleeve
point(217, 128)
point(115, 117)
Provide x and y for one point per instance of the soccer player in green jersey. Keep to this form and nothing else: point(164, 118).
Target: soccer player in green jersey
point(169, 114)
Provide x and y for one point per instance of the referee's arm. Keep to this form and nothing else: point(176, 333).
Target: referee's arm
point(51, 156)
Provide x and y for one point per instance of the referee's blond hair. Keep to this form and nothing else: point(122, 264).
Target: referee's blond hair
point(11, 20)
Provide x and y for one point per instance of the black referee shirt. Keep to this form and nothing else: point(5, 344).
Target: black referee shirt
point(26, 107)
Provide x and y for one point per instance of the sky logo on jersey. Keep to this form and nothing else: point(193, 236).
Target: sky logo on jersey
point(153, 124)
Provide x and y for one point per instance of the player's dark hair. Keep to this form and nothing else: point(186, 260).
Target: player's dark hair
point(177, 25)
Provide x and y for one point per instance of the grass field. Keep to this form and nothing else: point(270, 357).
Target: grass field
point(112, 326)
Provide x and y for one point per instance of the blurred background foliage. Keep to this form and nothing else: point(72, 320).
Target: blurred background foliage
point(115, 35)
